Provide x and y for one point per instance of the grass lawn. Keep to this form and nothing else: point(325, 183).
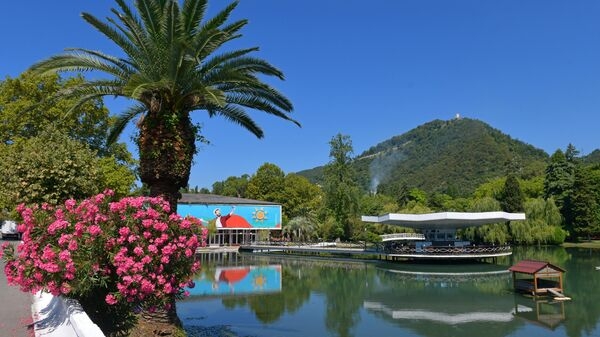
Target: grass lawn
point(583, 244)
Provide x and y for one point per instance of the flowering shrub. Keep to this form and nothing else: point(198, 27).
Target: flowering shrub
point(130, 251)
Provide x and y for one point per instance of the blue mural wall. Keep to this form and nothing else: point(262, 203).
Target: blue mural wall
point(239, 280)
point(234, 216)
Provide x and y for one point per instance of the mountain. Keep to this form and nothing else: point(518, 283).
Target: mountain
point(452, 157)
point(592, 158)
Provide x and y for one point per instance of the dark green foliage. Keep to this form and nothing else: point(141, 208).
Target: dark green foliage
point(511, 197)
point(51, 167)
point(232, 186)
point(592, 158)
point(542, 225)
point(267, 184)
point(558, 181)
point(340, 187)
point(451, 157)
point(582, 205)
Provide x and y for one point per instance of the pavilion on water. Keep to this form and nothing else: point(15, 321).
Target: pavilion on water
point(436, 234)
point(538, 277)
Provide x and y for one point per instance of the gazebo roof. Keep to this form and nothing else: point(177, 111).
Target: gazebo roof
point(444, 220)
point(533, 267)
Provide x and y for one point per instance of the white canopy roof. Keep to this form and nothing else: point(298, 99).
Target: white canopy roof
point(444, 220)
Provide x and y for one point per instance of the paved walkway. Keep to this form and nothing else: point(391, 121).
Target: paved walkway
point(15, 308)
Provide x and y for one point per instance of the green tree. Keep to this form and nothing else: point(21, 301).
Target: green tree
point(492, 233)
point(511, 197)
point(232, 186)
point(301, 228)
point(340, 187)
point(30, 104)
point(558, 180)
point(266, 184)
point(300, 197)
point(583, 205)
point(52, 167)
point(397, 189)
point(542, 224)
point(171, 69)
point(377, 204)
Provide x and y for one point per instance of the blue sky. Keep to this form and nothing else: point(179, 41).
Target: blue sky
point(372, 70)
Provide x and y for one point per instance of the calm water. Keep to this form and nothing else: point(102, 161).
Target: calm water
point(246, 295)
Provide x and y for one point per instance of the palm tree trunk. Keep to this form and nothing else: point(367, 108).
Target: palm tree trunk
point(167, 145)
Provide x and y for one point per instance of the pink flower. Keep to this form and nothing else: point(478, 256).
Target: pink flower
point(72, 245)
point(125, 244)
point(138, 251)
point(65, 288)
point(94, 230)
point(160, 226)
point(124, 231)
point(111, 299)
point(64, 255)
point(70, 204)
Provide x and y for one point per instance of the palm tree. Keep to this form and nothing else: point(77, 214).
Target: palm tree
point(170, 69)
point(301, 228)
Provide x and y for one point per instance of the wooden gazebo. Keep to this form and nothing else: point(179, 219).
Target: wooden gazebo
point(537, 277)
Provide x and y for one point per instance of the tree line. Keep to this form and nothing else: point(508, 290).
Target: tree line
point(561, 204)
point(49, 156)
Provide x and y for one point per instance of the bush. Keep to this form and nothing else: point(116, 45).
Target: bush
point(132, 253)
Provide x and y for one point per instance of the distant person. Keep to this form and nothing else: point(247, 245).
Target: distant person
point(221, 220)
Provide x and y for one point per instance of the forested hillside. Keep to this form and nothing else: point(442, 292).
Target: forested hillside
point(452, 157)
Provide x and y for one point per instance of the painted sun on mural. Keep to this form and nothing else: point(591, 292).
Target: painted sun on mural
point(259, 214)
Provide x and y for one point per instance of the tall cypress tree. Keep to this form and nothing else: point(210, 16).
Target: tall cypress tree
point(340, 186)
point(511, 198)
point(558, 180)
point(583, 208)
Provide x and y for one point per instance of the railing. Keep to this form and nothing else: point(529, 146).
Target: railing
point(402, 236)
point(439, 250)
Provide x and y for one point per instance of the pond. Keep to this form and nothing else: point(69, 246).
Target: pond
point(252, 295)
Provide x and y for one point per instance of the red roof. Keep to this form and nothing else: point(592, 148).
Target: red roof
point(532, 266)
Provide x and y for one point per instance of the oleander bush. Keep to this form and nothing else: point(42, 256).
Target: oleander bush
point(117, 257)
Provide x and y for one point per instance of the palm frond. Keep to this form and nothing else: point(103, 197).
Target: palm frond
point(259, 89)
point(150, 12)
point(192, 14)
point(257, 103)
point(238, 116)
point(117, 36)
point(124, 65)
point(133, 29)
point(122, 120)
point(217, 60)
point(169, 23)
point(212, 40)
point(73, 62)
point(253, 65)
point(220, 18)
point(233, 28)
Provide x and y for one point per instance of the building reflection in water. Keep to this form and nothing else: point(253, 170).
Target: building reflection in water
point(238, 280)
point(470, 302)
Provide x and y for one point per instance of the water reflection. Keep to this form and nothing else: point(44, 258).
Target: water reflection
point(238, 281)
point(321, 297)
point(546, 313)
